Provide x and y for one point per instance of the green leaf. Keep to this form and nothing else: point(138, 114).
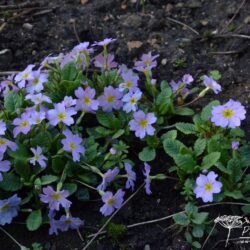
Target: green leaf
point(200, 218)
point(210, 160)
point(47, 179)
point(172, 134)
point(198, 231)
point(69, 71)
point(82, 194)
point(206, 112)
point(185, 163)
point(215, 74)
point(186, 128)
point(119, 133)
point(42, 139)
point(246, 209)
point(147, 154)
point(12, 101)
point(164, 100)
point(181, 219)
point(58, 164)
point(71, 187)
point(196, 244)
point(199, 146)
point(234, 194)
point(10, 182)
point(234, 167)
point(183, 111)
point(172, 147)
point(34, 220)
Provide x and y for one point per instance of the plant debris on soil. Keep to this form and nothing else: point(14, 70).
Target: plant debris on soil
point(193, 36)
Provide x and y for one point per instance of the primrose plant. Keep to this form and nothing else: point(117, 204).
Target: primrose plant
point(81, 122)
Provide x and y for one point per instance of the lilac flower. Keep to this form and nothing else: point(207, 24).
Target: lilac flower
point(212, 84)
point(4, 143)
point(130, 81)
point(72, 143)
point(61, 114)
point(2, 127)
point(8, 85)
point(235, 145)
point(147, 62)
point(54, 224)
point(110, 99)
point(23, 124)
point(38, 98)
point(141, 124)
point(4, 167)
point(55, 198)
point(68, 102)
point(206, 186)
point(69, 57)
point(50, 60)
point(108, 177)
point(105, 42)
point(105, 62)
point(68, 222)
point(147, 180)
point(38, 157)
point(83, 48)
point(36, 84)
point(123, 69)
point(130, 183)
point(25, 75)
point(85, 101)
point(9, 209)
point(228, 115)
point(187, 79)
point(113, 151)
point(179, 88)
point(111, 202)
point(131, 100)
point(37, 117)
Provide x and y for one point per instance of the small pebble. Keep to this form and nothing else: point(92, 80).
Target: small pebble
point(28, 26)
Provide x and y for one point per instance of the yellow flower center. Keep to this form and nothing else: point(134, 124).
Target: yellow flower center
point(72, 145)
point(24, 124)
point(86, 100)
point(208, 186)
point(129, 85)
point(132, 100)
point(37, 157)
point(38, 99)
point(3, 142)
point(110, 201)
point(68, 221)
point(25, 75)
point(36, 81)
point(56, 196)
point(4, 208)
point(38, 120)
point(110, 98)
point(147, 62)
point(61, 116)
point(228, 113)
point(143, 123)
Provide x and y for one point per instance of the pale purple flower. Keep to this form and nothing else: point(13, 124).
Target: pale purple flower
point(8, 85)
point(68, 102)
point(54, 224)
point(153, 81)
point(24, 76)
point(38, 98)
point(9, 209)
point(37, 117)
point(2, 127)
point(113, 151)
point(130, 81)
point(38, 157)
point(130, 183)
point(36, 84)
point(23, 124)
point(179, 88)
point(206, 186)
point(105, 42)
point(4, 167)
point(4, 144)
point(55, 198)
point(108, 177)
point(131, 101)
point(69, 57)
point(141, 124)
point(111, 202)
point(187, 79)
point(147, 62)
point(235, 145)
point(228, 115)
point(61, 114)
point(72, 143)
point(105, 62)
point(147, 180)
point(50, 60)
point(68, 222)
point(85, 99)
point(123, 69)
point(212, 84)
point(83, 48)
point(110, 99)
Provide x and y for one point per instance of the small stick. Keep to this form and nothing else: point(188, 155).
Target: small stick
point(42, 12)
point(224, 52)
point(6, 73)
point(210, 233)
point(111, 217)
point(75, 31)
point(11, 237)
point(86, 185)
point(235, 14)
point(18, 6)
point(232, 35)
point(183, 24)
